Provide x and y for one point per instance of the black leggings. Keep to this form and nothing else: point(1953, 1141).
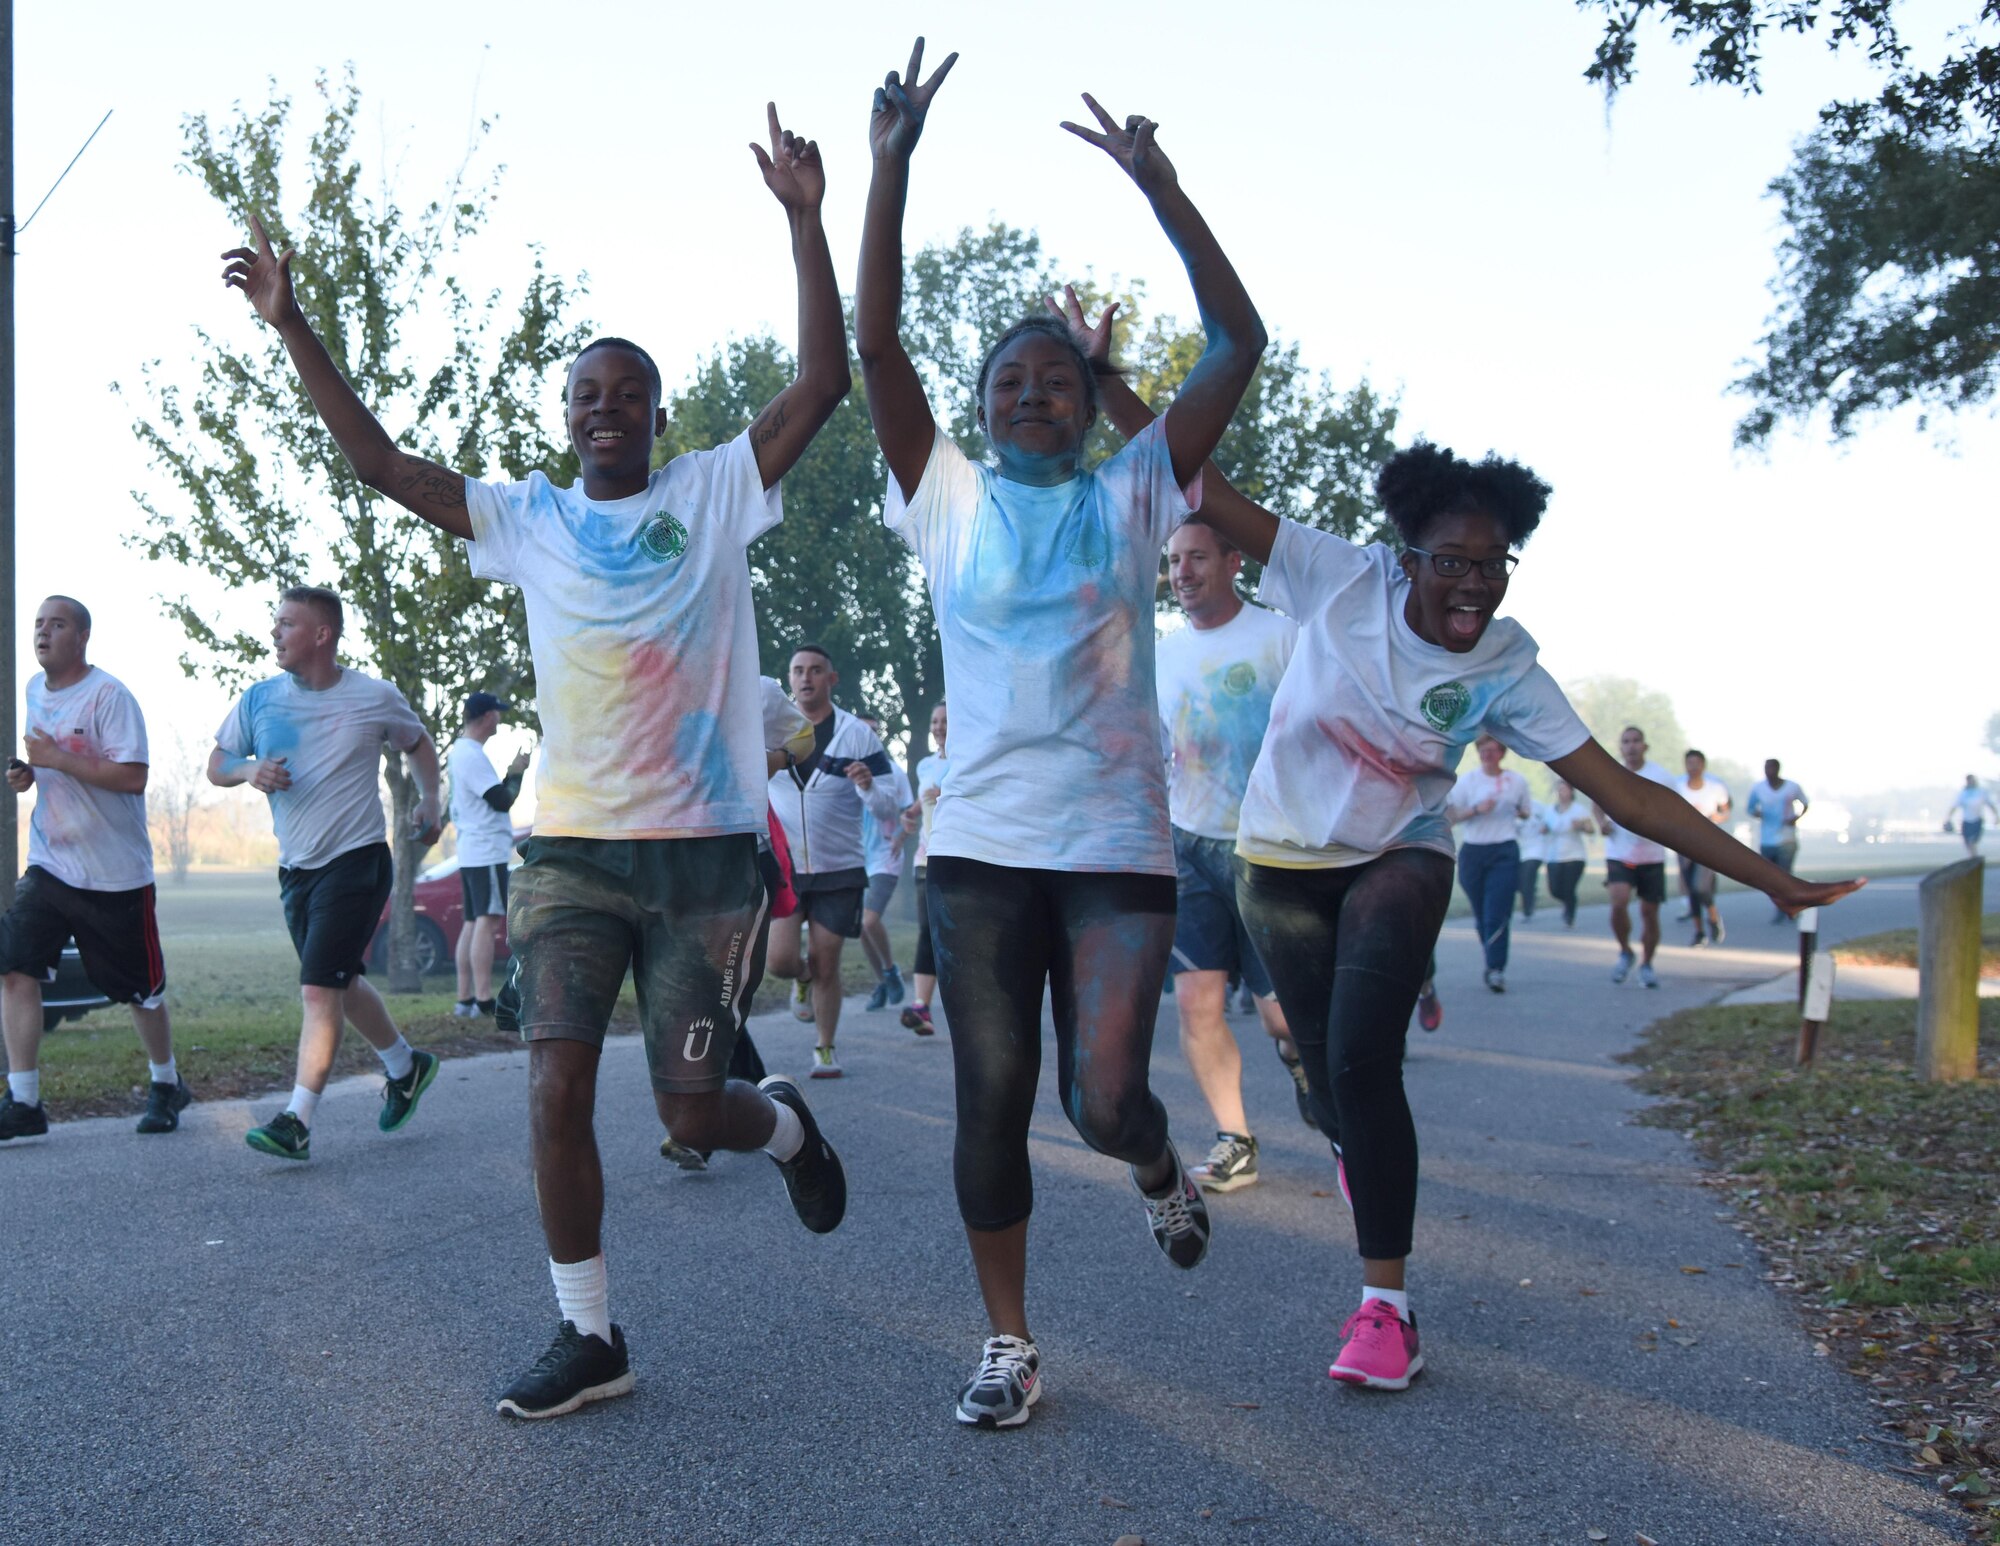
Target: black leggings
point(1347, 950)
point(1564, 875)
point(925, 964)
point(1100, 942)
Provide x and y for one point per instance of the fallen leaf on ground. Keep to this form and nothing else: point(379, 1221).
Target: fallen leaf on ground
point(1643, 1539)
point(1599, 1535)
point(1694, 1272)
point(1248, 1406)
point(1130, 1540)
point(1109, 1502)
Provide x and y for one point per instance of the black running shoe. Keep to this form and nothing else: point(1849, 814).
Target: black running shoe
point(1231, 1164)
point(164, 1105)
point(284, 1136)
point(576, 1369)
point(671, 1148)
point(507, 1002)
point(400, 1096)
point(1007, 1382)
point(813, 1176)
point(1299, 1088)
point(1178, 1217)
point(19, 1121)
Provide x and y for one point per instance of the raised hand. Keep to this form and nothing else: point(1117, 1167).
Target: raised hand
point(1801, 894)
point(791, 168)
point(263, 276)
point(1095, 342)
point(896, 122)
point(1132, 147)
point(519, 764)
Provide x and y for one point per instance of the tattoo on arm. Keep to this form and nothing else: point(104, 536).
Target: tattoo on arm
point(766, 429)
point(431, 484)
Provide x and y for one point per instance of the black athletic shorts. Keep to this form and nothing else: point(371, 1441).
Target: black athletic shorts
point(833, 900)
point(484, 887)
point(1648, 881)
point(115, 933)
point(332, 912)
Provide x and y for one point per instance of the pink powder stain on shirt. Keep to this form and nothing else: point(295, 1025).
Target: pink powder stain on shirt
point(649, 735)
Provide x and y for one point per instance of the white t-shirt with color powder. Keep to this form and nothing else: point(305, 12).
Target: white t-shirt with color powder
point(1627, 847)
point(1215, 688)
point(1370, 721)
point(1771, 807)
point(1044, 603)
point(485, 836)
point(332, 743)
point(644, 641)
point(93, 839)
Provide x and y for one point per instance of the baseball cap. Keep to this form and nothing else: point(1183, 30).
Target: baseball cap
point(483, 703)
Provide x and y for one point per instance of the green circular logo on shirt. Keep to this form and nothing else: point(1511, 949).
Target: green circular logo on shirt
point(664, 538)
point(1240, 678)
point(1445, 704)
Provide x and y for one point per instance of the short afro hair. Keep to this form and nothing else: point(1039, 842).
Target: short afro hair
point(1418, 485)
point(1055, 328)
point(609, 341)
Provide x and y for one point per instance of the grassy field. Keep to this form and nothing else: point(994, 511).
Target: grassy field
point(1898, 947)
point(1872, 1195)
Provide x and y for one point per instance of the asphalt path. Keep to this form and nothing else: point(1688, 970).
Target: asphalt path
point(201, 1344)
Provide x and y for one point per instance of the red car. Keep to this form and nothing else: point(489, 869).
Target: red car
point(440, 915)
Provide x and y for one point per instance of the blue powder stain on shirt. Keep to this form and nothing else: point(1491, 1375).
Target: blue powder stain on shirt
point(699, 745)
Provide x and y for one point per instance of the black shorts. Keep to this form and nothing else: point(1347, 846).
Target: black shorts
point(332, 912)
point(833, 900)
point(484, 887)
point(1648, 881)
point(116, 933)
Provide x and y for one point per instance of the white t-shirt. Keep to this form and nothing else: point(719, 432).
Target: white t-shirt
point(786, 729)
point(878, 839)
point(644, 642)
point(1564, 831)
point(1627, 847)
point(1215, 687)
point(1044, 604)
point(1771, 807)
point(93, 839)
point(1973, 804)
point(485, 836)
point(1509, 793)
point(332, 743)
point(1370, 721)
point(1713, 795)
point(930, 775)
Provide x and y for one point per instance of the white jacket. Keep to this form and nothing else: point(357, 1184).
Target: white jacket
point(821, 815)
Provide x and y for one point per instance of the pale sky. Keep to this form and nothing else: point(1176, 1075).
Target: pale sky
point(1427, 194)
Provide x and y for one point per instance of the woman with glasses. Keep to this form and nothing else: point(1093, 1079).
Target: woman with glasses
point(1344, 850)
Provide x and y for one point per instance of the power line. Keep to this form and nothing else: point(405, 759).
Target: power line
point(65, 172)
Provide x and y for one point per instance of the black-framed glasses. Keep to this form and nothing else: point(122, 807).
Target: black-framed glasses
point(1453, 566)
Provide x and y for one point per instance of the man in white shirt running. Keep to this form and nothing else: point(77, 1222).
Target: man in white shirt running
point(1634, 865)
point(1710, 796)
point(1490, 802)
point(1972, 805)
point(480, 802)
point(310, 739)
point(882, 849)
point(90, 870)
point(1777, 803)
point(1215, 679)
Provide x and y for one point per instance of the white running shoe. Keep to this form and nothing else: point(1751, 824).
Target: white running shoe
point(802, 1002)
point(825, 1064)
point(1007, 1382)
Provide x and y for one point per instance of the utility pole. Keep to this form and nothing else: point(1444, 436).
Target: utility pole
point(10, 732)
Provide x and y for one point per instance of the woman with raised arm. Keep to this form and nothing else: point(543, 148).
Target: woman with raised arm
point(1344, 854)
point(1042, 579)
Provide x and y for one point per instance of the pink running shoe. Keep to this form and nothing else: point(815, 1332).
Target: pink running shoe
point(1378, 1349)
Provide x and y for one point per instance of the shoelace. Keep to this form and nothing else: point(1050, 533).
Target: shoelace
point(1171, 1211)
point(1221, 1154)
point(1003, 1362)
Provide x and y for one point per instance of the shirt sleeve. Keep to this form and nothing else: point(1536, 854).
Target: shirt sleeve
point(1306, 567)
point(238, 732)
point(723, 486)
point(1534, 718)
point(497, 511)
point(785, 728)
point(474, 768)
point(1140, 479)
point(400, 726)
point(121, 728)
point(946, 497)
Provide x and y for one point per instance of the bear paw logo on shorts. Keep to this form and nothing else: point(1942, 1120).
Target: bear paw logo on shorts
point(1445, 704)
point(664, 538)
point(1240, 678)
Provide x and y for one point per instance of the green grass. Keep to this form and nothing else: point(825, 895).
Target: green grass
point(1898, 947)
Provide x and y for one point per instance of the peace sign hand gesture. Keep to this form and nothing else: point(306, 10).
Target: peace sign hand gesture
point(792, 168)
point(263, 276)
point(896, 121)
point(1132, 147)
point(1095, 342)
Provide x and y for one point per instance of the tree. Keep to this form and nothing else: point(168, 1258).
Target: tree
point(174, 792)
point(1888, 286)
point(258, 496)
point(1607, 704)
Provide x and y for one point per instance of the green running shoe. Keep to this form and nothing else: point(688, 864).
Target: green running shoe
point(284, 1136)
point(400, 1096)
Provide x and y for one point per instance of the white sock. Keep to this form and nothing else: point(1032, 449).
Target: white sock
point(788, 1137)
point(163, 1073)
point(1397, 1299)
point(583, 1294)
point(27, 1088)
point(302, 1102)
point(398, 1059)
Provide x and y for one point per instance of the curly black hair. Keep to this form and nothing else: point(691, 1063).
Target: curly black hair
point(1057, 329)
point(1418, 485)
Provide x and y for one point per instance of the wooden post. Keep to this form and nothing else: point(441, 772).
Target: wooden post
point(1948, 910)
point(1817, 1007)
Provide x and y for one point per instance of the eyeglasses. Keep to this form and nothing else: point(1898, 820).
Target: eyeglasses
point(1450, 566)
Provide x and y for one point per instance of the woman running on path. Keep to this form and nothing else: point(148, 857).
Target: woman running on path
point(1344, 862)
point(1042, 577)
